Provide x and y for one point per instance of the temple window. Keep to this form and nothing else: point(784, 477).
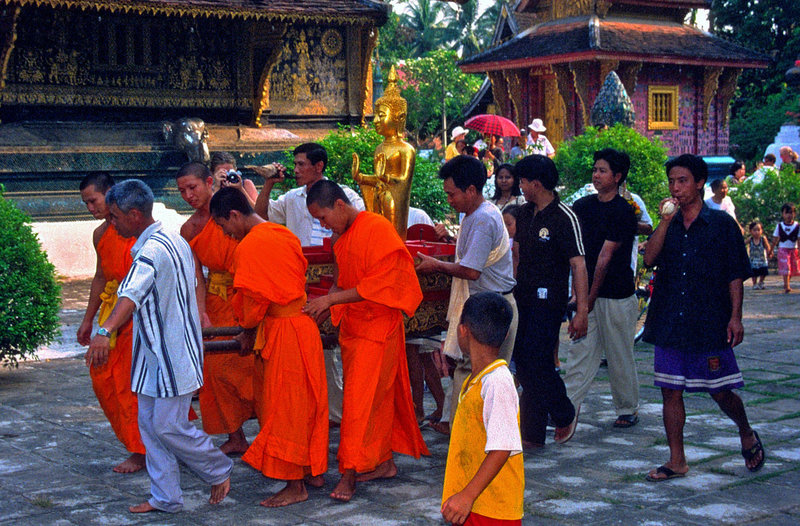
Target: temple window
point(662, 108)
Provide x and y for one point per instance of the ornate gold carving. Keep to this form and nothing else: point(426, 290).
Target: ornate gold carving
point(370, 40)
point(710, 84)
point(563, 9)
point(580, 78)
point(555, 112)
point(606, 67)
point(435, 281)
point(514, 84)
point(315, 271)
point(261, 103)
point(332, 42)
point(429, 316)
point(601, 7)
point(499, 89)
point(628, 73)
point(8, 34)
point(727, 87)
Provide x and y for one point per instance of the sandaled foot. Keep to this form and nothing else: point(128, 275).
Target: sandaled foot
point(314, 481)
point(753, 454)
point(434, 417)
point(385, 470)
point(624, 421)
point(132, 464)
point(144, 507)
point(564, 434)
point(441, 427)
point(219, 492)
point(294, 492)
point(663, 473)
point(345, 488)
point(236, 444)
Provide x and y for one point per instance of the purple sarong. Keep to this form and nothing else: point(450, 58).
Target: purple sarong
point(708, 371)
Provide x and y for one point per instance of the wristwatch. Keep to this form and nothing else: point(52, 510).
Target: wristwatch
point(102, 331)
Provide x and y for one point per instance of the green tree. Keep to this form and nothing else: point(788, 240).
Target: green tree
point(763, 201)
point(430, 82)
point(29, 293)
point(753, 127)
point(423, 20)
point(771, 27)
point(574, 160)
point(394, 41)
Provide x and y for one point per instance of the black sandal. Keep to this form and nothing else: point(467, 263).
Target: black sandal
point(751, 452)
point(627, 420)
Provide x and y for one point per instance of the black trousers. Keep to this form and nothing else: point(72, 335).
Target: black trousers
point(543, 390)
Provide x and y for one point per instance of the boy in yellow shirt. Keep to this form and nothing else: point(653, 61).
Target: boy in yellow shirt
point(484, 478)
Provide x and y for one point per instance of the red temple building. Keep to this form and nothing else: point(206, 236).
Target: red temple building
point(551, 56)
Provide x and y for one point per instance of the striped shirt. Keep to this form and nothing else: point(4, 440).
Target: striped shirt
point(167, 355)
point(290, 210)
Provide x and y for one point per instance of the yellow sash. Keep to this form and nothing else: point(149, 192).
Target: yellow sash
point(293, 308)
point(109, 300)
point(218, 283)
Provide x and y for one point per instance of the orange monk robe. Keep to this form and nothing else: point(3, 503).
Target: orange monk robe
point(293, 406)
point(112, 381)
point(377, 413)
point(226, 398)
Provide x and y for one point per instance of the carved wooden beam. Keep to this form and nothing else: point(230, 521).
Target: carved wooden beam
point(628, 73)
point(581, 72)
point(369, 39)
point(606, 67)
point(710, 84)
point(727, 87)
point(8, 36)
point(564, 83)
point(500, 89)
point(514, 79)
point(261, 100)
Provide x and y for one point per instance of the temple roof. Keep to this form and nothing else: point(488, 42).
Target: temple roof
point(593, 38)
point(347, 11)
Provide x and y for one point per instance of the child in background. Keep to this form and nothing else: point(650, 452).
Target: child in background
point(510, 214)
point(785, 238)
point(484, 478)
point(759, 250)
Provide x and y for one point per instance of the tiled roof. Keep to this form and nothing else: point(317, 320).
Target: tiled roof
point(334, 10)
point(590, 37)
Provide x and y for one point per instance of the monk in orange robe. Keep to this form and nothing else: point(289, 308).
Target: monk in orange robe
point(112, 381)
point(376, 284)
point(270, 294)
point(226, 398)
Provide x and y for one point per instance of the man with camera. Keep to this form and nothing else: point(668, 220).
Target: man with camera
point(225, 173)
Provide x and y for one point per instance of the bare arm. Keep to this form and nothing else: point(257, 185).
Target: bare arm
point(601, 269)
point(458, 506)
point(656, 242)
point(99, 347)
point(200, 293)
point(735, 327)
point(580, 285)
point(97, 287)
point(644, 229)
point(430, 264)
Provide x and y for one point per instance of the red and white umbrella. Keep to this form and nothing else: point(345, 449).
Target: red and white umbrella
point(493, 124)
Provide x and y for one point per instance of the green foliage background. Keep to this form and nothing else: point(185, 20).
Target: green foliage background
point(426, 188)
point(574, 160)
point(29, 293)
point(763, 201)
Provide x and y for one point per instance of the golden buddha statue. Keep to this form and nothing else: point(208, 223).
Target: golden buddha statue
point(388, 191)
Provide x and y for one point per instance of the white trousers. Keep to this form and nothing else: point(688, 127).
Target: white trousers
point(168, 437)
point(612, 326)
point(333, 372)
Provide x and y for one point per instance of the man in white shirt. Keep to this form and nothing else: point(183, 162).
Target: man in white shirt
point(167, 368)
point(539, 142)
point(310, 160)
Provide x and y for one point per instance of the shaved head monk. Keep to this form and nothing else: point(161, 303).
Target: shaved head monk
point(226, 398)
point(375, 285)
point(270, 294)
point(112, 381)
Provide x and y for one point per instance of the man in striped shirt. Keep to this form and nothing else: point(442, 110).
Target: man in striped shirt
point(167, 365)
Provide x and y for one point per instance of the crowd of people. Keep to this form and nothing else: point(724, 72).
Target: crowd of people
point(525, 262)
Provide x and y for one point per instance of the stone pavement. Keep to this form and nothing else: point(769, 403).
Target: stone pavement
point(57, 450)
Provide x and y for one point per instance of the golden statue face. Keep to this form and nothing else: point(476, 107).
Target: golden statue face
point(389, 120)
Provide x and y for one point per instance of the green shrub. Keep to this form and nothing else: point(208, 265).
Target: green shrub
point(426, 188)
point(763, 201)
point(29, 293)
point(574, 160)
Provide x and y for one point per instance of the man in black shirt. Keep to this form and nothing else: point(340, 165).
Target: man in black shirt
point(609, 226)
point(548, 241)
point(695, 315)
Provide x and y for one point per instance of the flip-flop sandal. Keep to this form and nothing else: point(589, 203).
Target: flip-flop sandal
point(627, 420)
point(752, 451)
point(668, 474)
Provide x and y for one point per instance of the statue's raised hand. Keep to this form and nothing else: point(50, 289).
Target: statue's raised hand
point(354, 170)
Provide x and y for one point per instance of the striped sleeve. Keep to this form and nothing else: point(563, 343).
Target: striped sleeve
point(574, 239)
point(139, 282)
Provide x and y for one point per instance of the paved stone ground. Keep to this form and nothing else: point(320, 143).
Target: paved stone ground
point(56, 451)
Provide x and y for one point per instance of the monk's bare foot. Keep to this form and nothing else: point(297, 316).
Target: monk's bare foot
point(144, 507)
point(236, 444)
point(219, 491)
point(385, 470)
point(295, 491)
point(314, 482)
point(346, 487)
point(132, 464)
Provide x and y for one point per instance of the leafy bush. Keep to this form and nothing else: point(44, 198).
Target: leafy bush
point(426, 188)
point(29, 293)
point(574, 160)
point(754, 126)
point(763, 201)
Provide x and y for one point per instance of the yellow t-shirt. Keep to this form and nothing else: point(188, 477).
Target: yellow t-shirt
point(502, 498)
point(450, 151)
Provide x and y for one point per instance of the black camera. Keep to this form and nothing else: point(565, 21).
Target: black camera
point(233, 177)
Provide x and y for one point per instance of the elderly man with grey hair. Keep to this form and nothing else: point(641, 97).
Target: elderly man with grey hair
point(167, 368)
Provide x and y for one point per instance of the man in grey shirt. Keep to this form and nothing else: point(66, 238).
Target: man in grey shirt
point(167, 365)
point(483, 258)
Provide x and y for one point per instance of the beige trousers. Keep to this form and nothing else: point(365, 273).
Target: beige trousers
point(464, 365)
point(612, 326)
